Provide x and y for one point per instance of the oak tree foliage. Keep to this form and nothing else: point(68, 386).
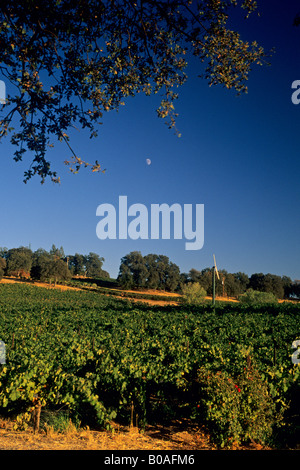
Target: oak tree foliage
point(151, 271)
point(67, 63)
point(2, 267)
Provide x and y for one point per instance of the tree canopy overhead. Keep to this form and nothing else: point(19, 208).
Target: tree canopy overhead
point(70, 62)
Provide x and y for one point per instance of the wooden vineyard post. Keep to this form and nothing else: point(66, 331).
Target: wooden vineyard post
point(36, 414)
point(131, 414)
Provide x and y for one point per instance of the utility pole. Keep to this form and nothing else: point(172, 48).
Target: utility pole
point(214, 271)
point(213, 286)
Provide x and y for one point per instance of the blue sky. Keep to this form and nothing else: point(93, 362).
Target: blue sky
point(239, 156)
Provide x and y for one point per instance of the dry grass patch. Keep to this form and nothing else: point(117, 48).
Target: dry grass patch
point(178, 436)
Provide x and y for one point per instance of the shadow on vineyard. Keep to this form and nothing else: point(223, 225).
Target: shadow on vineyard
point(77, 358)
point(289, 435)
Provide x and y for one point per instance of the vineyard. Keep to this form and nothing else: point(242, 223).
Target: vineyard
point(102, 359)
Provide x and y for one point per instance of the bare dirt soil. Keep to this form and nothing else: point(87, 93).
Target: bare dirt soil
point(180, 435)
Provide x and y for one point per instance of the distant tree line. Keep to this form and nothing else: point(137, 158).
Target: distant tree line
point(50, 266)
point(136, 271)
point(158, 272)
point(235, 284)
